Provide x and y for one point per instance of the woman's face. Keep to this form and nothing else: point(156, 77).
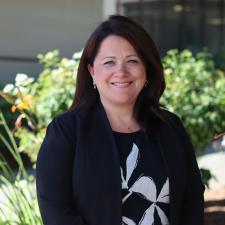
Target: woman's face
point(118, 72)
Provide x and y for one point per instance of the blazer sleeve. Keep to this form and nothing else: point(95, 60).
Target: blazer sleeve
point(193, 205)
point(54, 176)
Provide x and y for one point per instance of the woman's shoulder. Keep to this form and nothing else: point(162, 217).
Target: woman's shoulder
point(170, 118)
point(174, 122)
point(65, 123)
point(69, 118)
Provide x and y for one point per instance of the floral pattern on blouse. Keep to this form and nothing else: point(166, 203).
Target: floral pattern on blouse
point(145, 187)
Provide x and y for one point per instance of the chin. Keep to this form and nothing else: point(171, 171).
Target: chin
point(122, 102)
point(119, 100)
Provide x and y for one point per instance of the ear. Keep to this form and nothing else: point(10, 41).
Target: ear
point(91, 70)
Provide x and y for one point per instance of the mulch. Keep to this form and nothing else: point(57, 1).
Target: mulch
point(215, 206)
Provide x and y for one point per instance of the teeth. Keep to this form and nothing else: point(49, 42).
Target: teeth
point(121, 84)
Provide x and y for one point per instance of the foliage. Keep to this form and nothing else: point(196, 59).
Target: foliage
point(9, 116)
point(18, 203)
point(195, 91)
point(206, 176)
point(41, 100)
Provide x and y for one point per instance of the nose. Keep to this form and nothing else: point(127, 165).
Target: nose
point(121, 70)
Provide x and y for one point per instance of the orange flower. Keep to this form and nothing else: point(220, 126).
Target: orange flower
point(23, 105)
point(13, 108)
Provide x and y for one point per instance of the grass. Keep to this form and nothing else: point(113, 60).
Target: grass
point(18, 202)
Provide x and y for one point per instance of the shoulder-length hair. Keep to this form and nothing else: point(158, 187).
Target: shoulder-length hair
point(147, 108)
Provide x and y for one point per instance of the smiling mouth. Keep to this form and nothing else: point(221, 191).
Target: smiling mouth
point(121, 84)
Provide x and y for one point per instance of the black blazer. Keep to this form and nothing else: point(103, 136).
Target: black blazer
point(78, 172)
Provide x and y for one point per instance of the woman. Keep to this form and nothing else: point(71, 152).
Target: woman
point(117, 157)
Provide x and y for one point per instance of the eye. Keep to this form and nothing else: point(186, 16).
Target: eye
point(109, 62)
point(132, 61)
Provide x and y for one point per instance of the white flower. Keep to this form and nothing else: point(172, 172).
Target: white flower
point(50, 55)
point(23, 80)
point(20, 77)
point(8, 88)
point(68, 62)
point(57, 71)
point(77, 55)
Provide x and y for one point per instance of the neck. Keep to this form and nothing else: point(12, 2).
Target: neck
point(121, 117)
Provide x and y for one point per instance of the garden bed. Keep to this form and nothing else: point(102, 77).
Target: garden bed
point(215, 206)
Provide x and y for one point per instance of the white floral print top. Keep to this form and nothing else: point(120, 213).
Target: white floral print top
point(144, 181)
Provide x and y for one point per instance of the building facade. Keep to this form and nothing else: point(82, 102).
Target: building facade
point(32, 27)
point(192, 24)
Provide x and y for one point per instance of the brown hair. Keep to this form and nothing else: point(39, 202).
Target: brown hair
point(147, 107)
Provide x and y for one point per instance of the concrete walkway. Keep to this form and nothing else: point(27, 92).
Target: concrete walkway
point(215, 162)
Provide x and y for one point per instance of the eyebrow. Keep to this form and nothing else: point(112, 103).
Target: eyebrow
point(115, 57)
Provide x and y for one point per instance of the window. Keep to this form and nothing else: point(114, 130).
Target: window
point(192, 24)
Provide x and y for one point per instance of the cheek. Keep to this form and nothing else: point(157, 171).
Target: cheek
point(102, 73)
point(142, 75)
point(98, 71)
point(100, 77)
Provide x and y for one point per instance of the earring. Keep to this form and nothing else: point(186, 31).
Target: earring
point(94, 85)
point(146, 83)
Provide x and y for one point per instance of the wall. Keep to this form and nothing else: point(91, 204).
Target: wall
point(30, 27)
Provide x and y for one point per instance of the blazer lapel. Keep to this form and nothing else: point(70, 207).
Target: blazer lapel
point(173, 155)
point(100, 158)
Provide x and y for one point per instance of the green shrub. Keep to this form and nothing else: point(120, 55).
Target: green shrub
point(195, 91)
point(6, 110)
point(41, 100)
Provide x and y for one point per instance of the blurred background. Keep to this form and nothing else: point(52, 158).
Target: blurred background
point(30, 27)
point(40, 46)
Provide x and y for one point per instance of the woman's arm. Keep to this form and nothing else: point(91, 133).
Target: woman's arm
point(54, 175)
point(193, 205)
